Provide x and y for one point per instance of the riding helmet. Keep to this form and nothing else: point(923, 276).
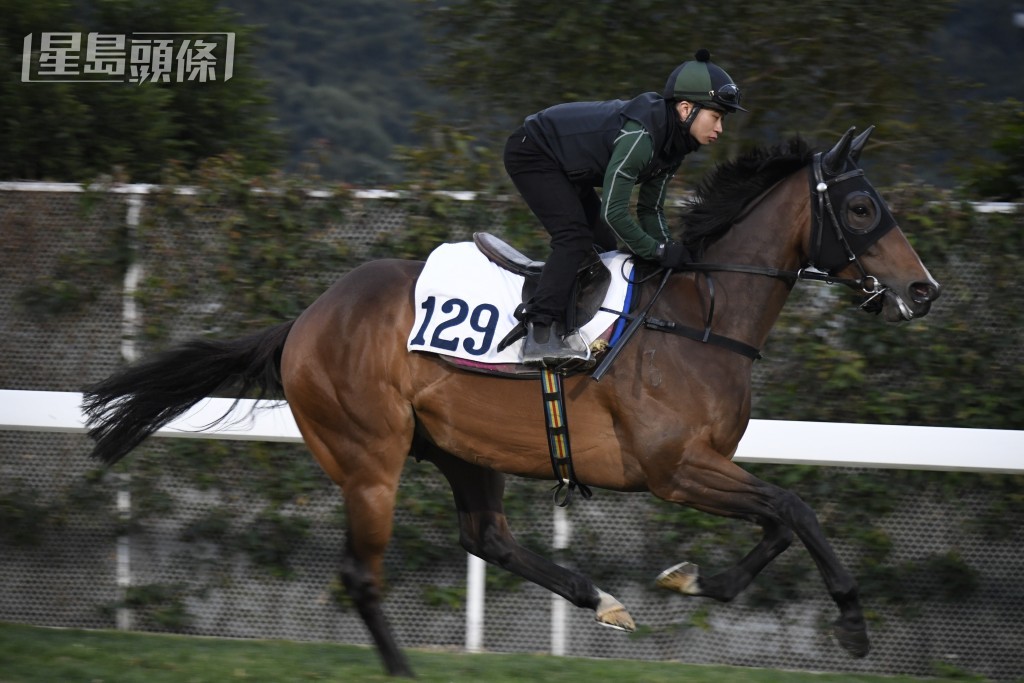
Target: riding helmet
point(703, 82)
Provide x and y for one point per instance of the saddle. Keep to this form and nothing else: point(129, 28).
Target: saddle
point(588, 292)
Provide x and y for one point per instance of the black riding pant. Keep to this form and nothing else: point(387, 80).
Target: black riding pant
point(569, 211)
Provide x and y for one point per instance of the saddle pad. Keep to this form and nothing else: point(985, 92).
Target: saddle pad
point(465, 304)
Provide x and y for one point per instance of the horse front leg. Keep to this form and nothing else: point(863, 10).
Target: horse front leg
point(484, 532)
point(710, 482)
point(685, 577)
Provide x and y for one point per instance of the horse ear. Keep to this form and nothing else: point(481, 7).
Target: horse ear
point(857, 146)
point(833, 162)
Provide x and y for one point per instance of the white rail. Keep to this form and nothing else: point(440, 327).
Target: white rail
point(61, 411)
point(768, 441)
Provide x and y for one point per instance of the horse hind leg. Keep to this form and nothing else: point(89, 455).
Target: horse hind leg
point(484, 532)
point(709, 482)
point(369, 516)
point(369, 485)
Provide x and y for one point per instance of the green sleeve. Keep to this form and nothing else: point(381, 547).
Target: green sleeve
point(650, 206)
point(632, 152)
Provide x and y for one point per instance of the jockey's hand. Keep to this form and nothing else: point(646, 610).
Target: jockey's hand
point(672, 255)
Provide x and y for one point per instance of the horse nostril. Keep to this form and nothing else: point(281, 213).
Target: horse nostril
point(924, 292)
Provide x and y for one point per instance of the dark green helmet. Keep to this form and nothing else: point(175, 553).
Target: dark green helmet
point(703, 82)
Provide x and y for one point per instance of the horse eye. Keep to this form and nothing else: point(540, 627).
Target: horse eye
point(861, 212)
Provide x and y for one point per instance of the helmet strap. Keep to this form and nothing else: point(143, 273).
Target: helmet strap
point(695, 108)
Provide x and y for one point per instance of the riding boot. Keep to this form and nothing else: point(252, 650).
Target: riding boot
point(546, 344)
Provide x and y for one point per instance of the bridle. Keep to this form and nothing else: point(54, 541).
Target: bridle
point(824, 208)
point(831, 247)
point(834, 245)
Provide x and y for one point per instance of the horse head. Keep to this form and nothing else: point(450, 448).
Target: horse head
point(855, 236)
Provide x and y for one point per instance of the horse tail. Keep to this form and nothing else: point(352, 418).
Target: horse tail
point(128, 406)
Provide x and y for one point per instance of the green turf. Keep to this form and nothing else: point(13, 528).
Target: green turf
point(39, 655)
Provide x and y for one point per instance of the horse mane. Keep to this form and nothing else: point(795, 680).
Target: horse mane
point(727, 190)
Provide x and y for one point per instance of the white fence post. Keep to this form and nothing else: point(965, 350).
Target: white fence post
point(559, 605)
point(476, 589)
point(123, 615)
point(130, 324)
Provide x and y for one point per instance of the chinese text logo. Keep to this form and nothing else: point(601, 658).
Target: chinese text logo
point(131, 58)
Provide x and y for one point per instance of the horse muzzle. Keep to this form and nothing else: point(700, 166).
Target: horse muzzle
point(907, 303)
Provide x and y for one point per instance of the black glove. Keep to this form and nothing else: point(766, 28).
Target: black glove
point(672, 255)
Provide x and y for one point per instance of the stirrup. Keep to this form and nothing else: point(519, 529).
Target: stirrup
point(553, 350)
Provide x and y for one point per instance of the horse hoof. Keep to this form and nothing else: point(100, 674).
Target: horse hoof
point(612, 614)
point(853, 639)
point(618, 619)
point(683, 578)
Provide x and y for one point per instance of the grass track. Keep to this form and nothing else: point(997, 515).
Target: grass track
point(39, 655)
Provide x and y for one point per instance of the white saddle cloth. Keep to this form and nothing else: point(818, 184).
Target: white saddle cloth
point(465, 304)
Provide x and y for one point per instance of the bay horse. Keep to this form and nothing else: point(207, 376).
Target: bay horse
point(666, 418)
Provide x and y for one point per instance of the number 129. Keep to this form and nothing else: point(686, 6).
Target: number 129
point(483, 319)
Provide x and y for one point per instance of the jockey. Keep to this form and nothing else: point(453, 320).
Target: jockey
point(559, 155)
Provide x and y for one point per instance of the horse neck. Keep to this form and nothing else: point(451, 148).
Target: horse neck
point(775, 234)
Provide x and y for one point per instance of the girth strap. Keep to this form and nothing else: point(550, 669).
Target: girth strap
point(558, 438)
point(705, 336)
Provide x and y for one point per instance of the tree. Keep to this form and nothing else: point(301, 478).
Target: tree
point(74, 131)
point(1000, 176)
point(808, 68)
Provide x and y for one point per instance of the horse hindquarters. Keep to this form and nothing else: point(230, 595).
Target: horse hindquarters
point(342, 372)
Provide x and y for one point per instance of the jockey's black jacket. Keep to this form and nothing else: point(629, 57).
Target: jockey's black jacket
point(618, 145)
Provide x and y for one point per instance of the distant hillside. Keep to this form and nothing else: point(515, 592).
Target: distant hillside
point(343, 76)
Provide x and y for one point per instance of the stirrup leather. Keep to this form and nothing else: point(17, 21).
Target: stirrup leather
point(558, 439)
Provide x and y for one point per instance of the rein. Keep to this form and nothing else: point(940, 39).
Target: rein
point(790, 276)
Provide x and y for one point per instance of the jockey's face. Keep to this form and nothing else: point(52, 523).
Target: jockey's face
point(706, 127)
